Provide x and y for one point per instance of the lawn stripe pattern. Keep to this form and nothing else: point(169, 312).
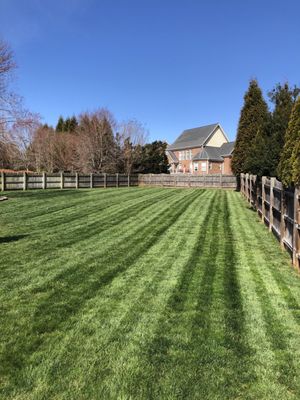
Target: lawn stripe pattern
point(144, 293)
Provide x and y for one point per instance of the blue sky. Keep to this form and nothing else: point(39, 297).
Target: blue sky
point(170, 64)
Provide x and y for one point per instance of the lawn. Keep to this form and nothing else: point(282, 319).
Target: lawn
point(144, 293)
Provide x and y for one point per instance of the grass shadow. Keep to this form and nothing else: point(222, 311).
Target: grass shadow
point(9, 239)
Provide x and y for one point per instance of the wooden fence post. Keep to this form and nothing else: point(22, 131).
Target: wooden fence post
point(105, 180)
point(24, 181)
point(221, 180)
point(296, 240)
point(128, 181)
point(91, 180)
point(250, 189)
point(76, 180)
point(241, 183)
point(255, 192)
point(2, 181)
point(44, 183)
point(117, 180)
point(61, 180)
point(271, 216)
point(282, 220)
point(247, 187)
point(263, 195)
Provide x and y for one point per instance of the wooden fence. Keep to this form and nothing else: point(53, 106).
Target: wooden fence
point(279, 209)
point(24, 181)
point(187, 180)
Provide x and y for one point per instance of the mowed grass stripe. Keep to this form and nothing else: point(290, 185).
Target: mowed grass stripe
point(158, 294)
point(278, 323)
point(118, 328)
point(86, 252)
point(35, 250)
point(74, 287)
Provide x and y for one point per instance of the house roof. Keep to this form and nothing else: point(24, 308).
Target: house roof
point(195, 137)
point(173, 156)
point(226, 149)
point(209, 153)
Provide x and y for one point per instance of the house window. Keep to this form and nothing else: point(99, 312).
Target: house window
point(188, 154)
point(180, 156)
point(203, 166)
point(195, 166)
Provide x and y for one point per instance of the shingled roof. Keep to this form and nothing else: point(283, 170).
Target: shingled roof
point(227, 148)
point(209, 153)
point(195, 137)
point(173, 156)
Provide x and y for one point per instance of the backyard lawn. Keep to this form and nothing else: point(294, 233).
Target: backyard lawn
point(144, 293)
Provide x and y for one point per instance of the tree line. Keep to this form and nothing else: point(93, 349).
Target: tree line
point(268, 141)
point(94, 142)
point(90, 142)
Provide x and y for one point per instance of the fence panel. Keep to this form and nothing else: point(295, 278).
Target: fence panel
point(279, 209)
point(188, 180)
point(53, 181)
point(13, 181)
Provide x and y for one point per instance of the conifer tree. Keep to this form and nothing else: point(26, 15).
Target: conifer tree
point(60, 125)
point(253, 121)
point(283, 97)
point(73, 124)
point(67, 125)
point(289, 166)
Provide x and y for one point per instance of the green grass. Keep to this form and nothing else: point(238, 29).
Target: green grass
point(144, 294)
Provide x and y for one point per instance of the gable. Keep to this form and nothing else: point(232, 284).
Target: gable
point(227, 149)
point(191, 138)
point(217, 138)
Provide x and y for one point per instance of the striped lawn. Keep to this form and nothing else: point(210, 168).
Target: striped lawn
point(143, 293)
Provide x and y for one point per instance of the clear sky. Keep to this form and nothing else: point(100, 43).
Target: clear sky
point(170, 64)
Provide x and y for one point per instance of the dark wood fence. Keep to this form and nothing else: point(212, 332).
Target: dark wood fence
point(24, 181)
point(186, 180)
point(279, 209)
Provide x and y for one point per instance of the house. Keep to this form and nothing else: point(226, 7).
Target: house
point(203, 150)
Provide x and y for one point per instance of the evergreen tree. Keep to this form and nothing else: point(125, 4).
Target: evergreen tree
point(73, 124)
point(283, 97)
point(260, 160)
point(289, 166)
point(153, 158)
point(108, 146)
point(67, 125)
point(253, 123)
point(60, 125)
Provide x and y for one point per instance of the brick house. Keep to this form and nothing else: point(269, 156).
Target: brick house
point(203, 150)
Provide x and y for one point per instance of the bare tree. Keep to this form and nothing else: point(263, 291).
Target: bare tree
point(133, 135)
point(96, 147)
point(13, 116)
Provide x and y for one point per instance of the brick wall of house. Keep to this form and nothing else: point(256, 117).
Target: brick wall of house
point(186, 163)
point(216, 167)
point(227, 165)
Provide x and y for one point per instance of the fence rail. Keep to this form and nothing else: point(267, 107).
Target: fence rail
point(24, 181)
point(185, 180)
point(279, 209)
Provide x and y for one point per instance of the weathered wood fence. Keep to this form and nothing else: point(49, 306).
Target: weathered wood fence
point(279, 209)
point(24, 181)
point(187, 180)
